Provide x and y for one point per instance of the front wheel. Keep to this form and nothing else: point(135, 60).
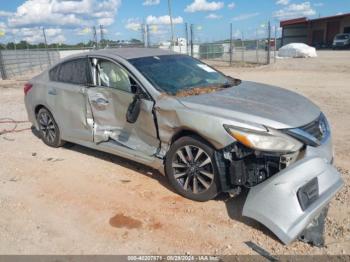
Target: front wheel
point(191, 169)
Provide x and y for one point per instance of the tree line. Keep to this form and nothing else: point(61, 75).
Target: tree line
point(90, 44)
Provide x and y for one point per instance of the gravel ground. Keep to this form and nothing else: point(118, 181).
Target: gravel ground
point(74, 200)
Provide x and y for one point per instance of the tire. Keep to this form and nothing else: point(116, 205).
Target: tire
point(48, 129)
point(186, 172)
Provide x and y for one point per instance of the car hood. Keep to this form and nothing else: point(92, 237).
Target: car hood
point(256, 103)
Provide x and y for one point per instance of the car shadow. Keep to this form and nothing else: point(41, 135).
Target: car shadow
point(126, 163)
point(234, 205)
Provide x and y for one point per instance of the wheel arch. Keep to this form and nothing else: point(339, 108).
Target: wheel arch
point(37, 109)
point(187, 132)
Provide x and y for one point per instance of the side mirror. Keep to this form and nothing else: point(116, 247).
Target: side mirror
point(234, 81)
point(134, 110)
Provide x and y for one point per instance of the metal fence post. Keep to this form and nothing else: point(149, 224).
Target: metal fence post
point(39, 58)
point(231, 43)
point(47, 50)
point(2, 67)
point(275, 51)
point(243, 48)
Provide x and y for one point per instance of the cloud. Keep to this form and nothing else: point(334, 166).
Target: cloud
point(282, 2)
point(203, 5)
point(245, 16)
point(64, 13)
point(133, 24)
point(151, 2)
point(231, 6)
point(5, 13)
point(54, 15)
point(163, 20)
point(76, 7)
point(237, 34)
point(35, 34)
point(295, 10)
point(213, 16)
point(105, 21)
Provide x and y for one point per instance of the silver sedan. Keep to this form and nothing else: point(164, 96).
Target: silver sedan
point(209, 133)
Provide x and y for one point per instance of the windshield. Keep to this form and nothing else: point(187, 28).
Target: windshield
point(175, 73)
point(342, 37)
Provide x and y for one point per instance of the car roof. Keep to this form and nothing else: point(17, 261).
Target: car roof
point(131, 53)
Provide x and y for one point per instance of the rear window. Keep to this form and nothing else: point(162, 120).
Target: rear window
point(73, 72)
point(54, 73)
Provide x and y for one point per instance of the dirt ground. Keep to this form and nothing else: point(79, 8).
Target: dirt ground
point(74, 200)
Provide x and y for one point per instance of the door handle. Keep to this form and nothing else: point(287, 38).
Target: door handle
point(52, 92)
point(101, 101)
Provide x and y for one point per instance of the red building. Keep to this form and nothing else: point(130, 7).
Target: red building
point(318, 32)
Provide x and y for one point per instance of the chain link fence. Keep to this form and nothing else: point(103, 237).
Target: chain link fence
point(191, 39)
point(234, 49)
point(22, 62)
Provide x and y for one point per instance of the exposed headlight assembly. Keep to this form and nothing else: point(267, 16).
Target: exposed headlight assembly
point(269, 141)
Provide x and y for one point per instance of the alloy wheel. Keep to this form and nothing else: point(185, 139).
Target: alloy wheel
point(47, 127)
point(193, 169)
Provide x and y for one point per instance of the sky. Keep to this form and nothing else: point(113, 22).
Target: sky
point(71, 21)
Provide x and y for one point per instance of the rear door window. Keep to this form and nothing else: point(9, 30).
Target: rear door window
point(73, 72)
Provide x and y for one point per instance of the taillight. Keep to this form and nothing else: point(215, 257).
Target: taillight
point(27, 88)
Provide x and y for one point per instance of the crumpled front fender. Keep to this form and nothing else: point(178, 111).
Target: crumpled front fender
point(275, 204)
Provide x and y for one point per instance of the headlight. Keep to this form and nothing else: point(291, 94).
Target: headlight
point(269, 141)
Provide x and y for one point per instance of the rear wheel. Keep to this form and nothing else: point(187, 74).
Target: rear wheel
point(48, 128)
point(191, 169)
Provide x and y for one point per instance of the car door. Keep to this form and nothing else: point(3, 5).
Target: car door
point(68, 100)
point(110, 98)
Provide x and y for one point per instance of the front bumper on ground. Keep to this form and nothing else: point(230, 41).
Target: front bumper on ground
point(275, 203)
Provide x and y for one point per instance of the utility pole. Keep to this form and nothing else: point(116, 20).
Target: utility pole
point(187, 42)
point(191, 33)
point(148, 36)
point(47, 51)
point(101, 35)
point(257, 46)
point(171, 23)
point(95, 36)
point(231, 43)
point(269, 44)
point(45, 40)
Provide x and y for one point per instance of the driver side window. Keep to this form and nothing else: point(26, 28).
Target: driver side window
point(111, 75)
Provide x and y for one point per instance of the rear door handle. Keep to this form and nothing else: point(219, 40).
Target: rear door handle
point(101, 101)
point(52, 92)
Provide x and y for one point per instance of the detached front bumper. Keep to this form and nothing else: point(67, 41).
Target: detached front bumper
point(275, 202)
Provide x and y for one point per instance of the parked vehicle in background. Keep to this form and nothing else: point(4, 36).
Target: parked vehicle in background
point(341, 41)
point(209, 133)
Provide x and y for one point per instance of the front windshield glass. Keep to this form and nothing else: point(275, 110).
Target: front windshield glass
point(175, 73)
point(342, 37)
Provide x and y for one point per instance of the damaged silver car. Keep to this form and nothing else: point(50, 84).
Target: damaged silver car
point(209, 133)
